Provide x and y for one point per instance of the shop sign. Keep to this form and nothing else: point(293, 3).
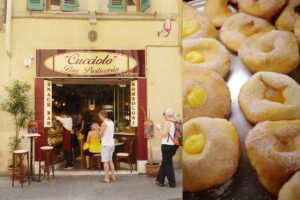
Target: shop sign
point(134, 103)
point(90, 63)
point(47, 103)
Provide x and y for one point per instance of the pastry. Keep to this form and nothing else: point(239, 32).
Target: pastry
point(205, 93)
point(297, 29)
point(274, 151)
point(270, 96)
point(239, 27)
point(211, 152)
point(262, 8)
point(206, 53)
point(288, 17)
point(195, 24)
point(290, 190)
point(276, 51)
point(217, 11)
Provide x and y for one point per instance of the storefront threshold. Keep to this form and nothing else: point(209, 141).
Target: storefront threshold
point(91, 173)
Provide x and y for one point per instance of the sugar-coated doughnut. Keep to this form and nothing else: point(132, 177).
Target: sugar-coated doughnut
point(238, 27)
point(274, 151)
point(291, 189)
point(270, 96)
point(287, 18)
point(276, 51)
point(207, 53)
point(205, 94)
point(211, 152)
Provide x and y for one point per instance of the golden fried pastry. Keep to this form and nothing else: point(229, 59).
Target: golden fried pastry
point(288, 17)
point(217, 11)
point(195, 24)
point(206, 53)
point(291, 189)
point(262, 8)
point(205, 94)
point(211, 152)
point(275, 51)
point(239, 27)
point(297, 29)
point(270, 96)
point(274, 151)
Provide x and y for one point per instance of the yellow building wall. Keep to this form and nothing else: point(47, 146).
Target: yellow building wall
point(30, 34)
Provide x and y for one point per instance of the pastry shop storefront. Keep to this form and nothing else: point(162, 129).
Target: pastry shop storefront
point(85, 82)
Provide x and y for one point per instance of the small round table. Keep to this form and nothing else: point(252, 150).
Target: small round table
point(32, 136)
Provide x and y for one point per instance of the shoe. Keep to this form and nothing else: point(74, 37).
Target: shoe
point(172, 186)
point(114, 179)
point(104, 181)
point(69, 168)
point(160, 184)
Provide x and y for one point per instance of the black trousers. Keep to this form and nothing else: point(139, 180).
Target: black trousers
point(166, 169)
point(68, 158)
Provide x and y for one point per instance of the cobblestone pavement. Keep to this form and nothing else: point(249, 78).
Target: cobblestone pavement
point(84, 187)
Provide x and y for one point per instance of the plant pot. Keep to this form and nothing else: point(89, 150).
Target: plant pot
point(152, 169)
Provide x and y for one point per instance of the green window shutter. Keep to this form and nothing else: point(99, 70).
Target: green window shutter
point(144, 4)
point(117, 5)
point(35, 4)
point(69, 5)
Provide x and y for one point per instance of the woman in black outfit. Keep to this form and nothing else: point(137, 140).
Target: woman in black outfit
point(168, 149)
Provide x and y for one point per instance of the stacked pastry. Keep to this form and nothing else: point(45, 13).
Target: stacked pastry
point(266, 36)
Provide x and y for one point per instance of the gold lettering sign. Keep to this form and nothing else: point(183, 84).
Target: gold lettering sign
point(134, 103)
point(90, 63)
point(47, 103)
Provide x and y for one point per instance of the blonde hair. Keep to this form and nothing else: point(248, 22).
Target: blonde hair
point(95, 126)
point(168, 112)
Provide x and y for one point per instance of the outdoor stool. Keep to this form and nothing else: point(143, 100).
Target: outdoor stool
point(97, 157)
point(20, 156)
point(48, 161)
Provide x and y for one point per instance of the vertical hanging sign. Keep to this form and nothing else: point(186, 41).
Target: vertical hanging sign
point(47, 103)
point(134, 103)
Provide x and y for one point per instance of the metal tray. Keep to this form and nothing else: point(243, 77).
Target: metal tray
point(244, 185)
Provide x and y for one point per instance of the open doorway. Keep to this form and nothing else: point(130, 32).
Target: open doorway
point(88, 97)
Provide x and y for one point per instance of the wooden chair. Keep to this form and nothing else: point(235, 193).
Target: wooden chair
point(126, 156)
point(19, 155)
point(48, 161)
point(96, 157)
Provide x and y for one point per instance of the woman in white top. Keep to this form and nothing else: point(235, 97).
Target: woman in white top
point(168, 150)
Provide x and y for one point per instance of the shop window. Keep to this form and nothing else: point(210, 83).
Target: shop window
point(128, 5)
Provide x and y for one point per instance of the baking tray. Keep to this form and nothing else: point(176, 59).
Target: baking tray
point(244, 185)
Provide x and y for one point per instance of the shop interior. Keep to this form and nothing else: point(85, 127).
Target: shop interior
point(88, 97)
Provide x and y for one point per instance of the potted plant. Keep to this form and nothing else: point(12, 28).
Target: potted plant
point(152, 167)
point(17, 104)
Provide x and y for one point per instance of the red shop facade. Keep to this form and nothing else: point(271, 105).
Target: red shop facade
point(79, 68)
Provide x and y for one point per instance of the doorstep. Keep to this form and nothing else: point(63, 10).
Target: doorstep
point(91, 173)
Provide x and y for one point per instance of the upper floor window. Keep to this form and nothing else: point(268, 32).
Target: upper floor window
point(73, 5)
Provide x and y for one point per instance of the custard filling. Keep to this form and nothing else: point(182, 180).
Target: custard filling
point(190, 27)
point(273, 94)
point(197, 96)
point(194, 57)
point(194, 144)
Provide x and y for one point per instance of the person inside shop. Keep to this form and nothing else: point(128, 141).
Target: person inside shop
point(168, 149)
point(88, 121)
point(67, 123)
point(93, 144)
point(106, 132)
point(80, 135)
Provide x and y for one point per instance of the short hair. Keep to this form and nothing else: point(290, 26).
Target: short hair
point(95, 126)
point(103, 113)
point(168, 112)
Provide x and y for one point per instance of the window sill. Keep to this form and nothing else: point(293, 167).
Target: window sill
point(87, 15)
